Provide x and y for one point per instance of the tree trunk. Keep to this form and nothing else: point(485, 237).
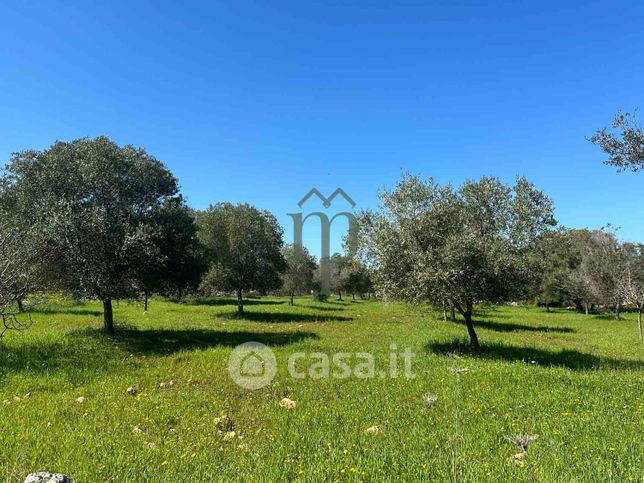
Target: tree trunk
point(444, 312)
point(353, 295)
point(145, 301)
point(547, 307)
point(639, 320)
point(179, 293)
point(618, 310)
point(587, 308)
point(240, 302)
point(452, 313)
point(292, 295)
point(108, 316)
point(467, 315)
point(21, 306)
point(339, 294)
point(578, 306)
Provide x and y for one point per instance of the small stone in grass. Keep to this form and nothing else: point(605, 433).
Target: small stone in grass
point(229, 435)
point(460, 370)
point(224, 424)
point(288, 403)
point(373, 429)
point(132, 391)
point(80, 400)
point(518, 458)
point(47, 477)
point(165, 385)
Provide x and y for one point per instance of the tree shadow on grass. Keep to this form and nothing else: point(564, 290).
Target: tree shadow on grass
point(216, 302)
point(320, 308)
point(512, 327)
point(282, 317)
point(570, 359)
point(62, 310)
point(164, 341)
point(88, 353)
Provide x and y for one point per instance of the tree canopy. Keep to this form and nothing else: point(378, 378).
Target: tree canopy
point(431, 243)
point(300, 268)
point(94, 205)
point(243, 248)
point(624, 143)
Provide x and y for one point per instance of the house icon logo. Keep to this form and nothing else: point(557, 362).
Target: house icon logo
point(252, 365)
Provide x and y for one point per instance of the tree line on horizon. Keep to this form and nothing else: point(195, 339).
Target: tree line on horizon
point(106, 222)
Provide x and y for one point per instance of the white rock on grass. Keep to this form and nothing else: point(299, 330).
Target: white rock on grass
point(47, 477)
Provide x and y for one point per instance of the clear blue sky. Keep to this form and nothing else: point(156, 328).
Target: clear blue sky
point(260, 101)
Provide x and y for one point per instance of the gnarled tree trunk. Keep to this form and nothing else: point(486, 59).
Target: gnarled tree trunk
point(467, 315)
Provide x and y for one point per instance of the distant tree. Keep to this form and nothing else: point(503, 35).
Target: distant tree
point(300, 267)
point(94, 206)
point(243, 247)
point(577, 281)
point(555, 257)
point(339, 273)
point(180, 264)
point(624, 145)
point(358, 280)
point(604, 267)
point(432, 243)
point(632, 284)
point(15, 275)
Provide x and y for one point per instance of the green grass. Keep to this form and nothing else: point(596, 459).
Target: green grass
point(575, 380)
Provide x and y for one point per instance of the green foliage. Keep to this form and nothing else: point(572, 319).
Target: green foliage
point(180, 264)
point(94, 207)
point(625, 148)
point(244, 249)
point(358, 280)
point(300, 269)
point(430, 243)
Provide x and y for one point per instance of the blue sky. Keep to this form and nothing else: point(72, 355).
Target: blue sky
point(260, 101)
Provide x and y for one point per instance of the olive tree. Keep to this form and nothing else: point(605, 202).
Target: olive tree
point(603, 267)
point(339, 267)
point(358, 279)
point(180, 264)
point(632, 284)
point(300, 268)
point(432, 243)
point(94, 205)
point(243, 248)
point(16, 275)
point(624, 144)
point(555, 256)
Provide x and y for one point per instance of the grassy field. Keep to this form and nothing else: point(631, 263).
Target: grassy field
point(574, 380)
